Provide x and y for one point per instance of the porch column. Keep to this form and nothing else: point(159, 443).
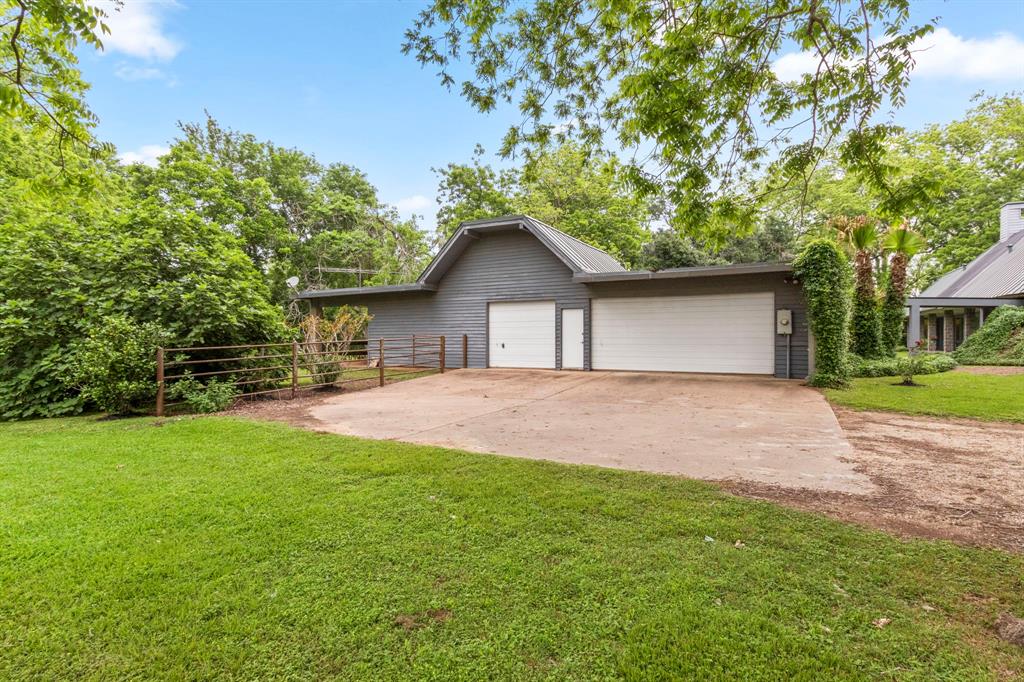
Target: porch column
point(933, 332)
point(949, 332)
point(970, 322)
point(914, 325)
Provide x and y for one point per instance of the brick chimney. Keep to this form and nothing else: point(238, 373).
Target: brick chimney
point(1011, 219)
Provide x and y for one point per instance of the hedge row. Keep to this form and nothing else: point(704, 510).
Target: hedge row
point(890, 367)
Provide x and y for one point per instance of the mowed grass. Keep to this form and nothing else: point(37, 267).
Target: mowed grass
point(950, 394)
point(199, 548)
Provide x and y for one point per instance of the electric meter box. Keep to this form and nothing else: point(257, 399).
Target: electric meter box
point(783, 321)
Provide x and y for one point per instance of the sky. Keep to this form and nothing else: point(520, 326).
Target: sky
point(329, 78)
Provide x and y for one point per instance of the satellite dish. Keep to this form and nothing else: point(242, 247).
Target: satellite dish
point(292, 282)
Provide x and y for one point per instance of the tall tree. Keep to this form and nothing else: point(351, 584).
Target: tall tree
point(948, 181)
point(293, 215)
point(959, 175)
point(903, 244)
point(861, 235)
point(694, 87)
point(773, 241)
point(578, 192)
point(472, 191)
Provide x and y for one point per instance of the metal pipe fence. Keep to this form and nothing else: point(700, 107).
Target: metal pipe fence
point(262, 369)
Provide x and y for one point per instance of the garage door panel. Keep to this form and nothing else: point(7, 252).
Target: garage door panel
point(521, 334)
point(728, 333)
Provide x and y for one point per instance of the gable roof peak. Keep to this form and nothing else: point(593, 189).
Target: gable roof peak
point(576, 254)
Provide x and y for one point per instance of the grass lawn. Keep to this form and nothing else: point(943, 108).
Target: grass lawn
point(215, 547)
point(950, 394)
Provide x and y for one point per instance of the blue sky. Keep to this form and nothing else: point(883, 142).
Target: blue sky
point(329, 78)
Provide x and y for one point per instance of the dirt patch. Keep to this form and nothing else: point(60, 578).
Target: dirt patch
point(409, 622)
point(990, 369)
point(952, 479)
point(1011, 629)
point(293, 411)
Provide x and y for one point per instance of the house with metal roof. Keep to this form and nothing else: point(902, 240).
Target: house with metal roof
point(955, 305)
point(527, 295)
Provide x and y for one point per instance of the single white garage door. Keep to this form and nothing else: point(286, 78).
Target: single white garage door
point(727, 333)
point(521, 334)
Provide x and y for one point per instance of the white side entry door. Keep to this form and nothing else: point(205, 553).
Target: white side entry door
point(572, 338)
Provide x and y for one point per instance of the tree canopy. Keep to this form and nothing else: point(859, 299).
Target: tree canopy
point(293, 215)
point(578, 192)
point(79, 245)
point(40, 83)
point(691, 88)
point(949, 183)
point(198, 247)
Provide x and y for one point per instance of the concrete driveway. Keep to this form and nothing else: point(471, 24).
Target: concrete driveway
point(702, 426)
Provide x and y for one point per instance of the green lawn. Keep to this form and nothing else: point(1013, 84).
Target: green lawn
point(215, 547)
point(950, 394)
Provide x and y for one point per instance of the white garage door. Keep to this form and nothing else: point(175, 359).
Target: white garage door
point(727, 333)
point(521, 334)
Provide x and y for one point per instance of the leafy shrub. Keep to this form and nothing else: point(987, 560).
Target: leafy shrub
point(908, 366)
point(824, 271)
point(59, 277)
point(114, 367)
point(213, 396)
point(932, 363)
point(1000, 341)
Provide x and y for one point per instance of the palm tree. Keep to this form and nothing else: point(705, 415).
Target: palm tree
point(861, 235)
point(903, 243)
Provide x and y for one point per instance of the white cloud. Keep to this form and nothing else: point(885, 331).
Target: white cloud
point(946, 54)
point(147, 154)
point(793, 65)
point(136, 29)
point(942, 54)
point(416, 202)
point(128, 72)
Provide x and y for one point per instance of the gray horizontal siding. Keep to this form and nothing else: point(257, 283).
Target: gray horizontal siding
point(786, 296)
point(499, 266)
point(515, 266)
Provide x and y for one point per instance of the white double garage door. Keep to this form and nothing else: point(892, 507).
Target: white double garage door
point(721, 333)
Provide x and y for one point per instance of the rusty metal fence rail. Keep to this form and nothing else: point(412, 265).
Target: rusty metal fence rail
point(284, 369)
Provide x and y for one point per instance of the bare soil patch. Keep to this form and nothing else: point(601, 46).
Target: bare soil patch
point(414, 621)
point(952, 479)
point(293, 411)
point(999, 370)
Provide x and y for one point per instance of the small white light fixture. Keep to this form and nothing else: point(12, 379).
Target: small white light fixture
point(292, 282)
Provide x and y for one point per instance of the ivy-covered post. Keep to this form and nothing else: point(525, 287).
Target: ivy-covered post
point(824, 272)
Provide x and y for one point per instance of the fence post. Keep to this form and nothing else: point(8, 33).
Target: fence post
point(159, 381)
point(413, 350)
point(295, 367)
point(442, 355)
point(465, 351)
point(380, 363)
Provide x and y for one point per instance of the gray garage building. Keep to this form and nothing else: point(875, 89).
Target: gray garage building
point(528, 295)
